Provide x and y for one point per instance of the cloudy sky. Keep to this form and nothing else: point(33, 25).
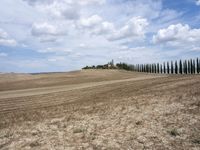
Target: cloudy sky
point(63, 35)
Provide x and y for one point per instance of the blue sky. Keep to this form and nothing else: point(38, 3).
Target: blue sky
point(64, 35)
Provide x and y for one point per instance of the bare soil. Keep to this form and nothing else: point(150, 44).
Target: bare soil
point(99, 109)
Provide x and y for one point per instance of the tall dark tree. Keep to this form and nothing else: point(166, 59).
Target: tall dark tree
point(161, 69)
point(172, 67)
point(191, 66)
point(150, 68)
point(185, 68)
point(180, 67)
point(142, 68)
point(194, 67)
point(164, 68)
point(198, 65)
point(189, 69)
point(167, 67)
point(155, 68)
point(176, 67)
point(158, 68)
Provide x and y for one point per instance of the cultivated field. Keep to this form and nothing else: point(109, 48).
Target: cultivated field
point(99, 109)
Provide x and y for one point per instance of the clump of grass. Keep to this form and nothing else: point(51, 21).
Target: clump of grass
point(35, 144)
point(174, 132)
point(78, 130)
point(196, 141)
point(138, 122)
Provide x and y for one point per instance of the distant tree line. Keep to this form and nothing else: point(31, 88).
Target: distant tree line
point(191, 66)
point(109, 65)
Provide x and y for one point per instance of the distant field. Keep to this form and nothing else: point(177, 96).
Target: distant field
point(99, 109)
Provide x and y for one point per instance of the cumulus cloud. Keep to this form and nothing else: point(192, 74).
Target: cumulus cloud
point(68, 9)
point(198, 2)
point(46, 32)
point(3, 54)
point(177, 35)
point(91, 2)
point(134, 28)
point(81, 2)
point(37, 2)
point(91, 21)
point(96, 25)
point(44, 28)
point(5, 40)
point(3, 34)
point(55, 50)
point(61, 9)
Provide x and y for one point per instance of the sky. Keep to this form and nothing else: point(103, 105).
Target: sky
point(65, 35)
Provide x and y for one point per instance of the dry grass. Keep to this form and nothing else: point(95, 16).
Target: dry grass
point(160, 113)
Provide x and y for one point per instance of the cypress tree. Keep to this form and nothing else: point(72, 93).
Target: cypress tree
point(154, 68)
point(176, 67)
point(147, 69)
point(194, 67)
point(158, 68)
point(167, 67)
point(161, 69)
point(138, 68)
point(189, 69)
point(186, 69)
point(164, 69)
point(198, 65)
point(191, 66)
point(150, 68)
point(142, 68)
point(180, 67)
point(172, 67)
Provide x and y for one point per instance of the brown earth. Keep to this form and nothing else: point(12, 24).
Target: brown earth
point(99, 109)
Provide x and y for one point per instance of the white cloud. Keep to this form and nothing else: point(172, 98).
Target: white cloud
point(3, 34)
point(47, 32)
point(81, 2)
point(96, 25)
point(8, 42)
point(45, 28)
point(67, 9)
point(3, 54)
point(37, 2)
point(61, 9)
point(55, 50)
point(90, 2)
point(90, 22)
point(134, 28)
point(5, 40)
point(177, 35)
point(198, 2)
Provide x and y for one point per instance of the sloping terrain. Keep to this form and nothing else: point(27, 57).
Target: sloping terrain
point(104, 109)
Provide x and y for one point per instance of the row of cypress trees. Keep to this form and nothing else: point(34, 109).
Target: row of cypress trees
point(191, 66)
